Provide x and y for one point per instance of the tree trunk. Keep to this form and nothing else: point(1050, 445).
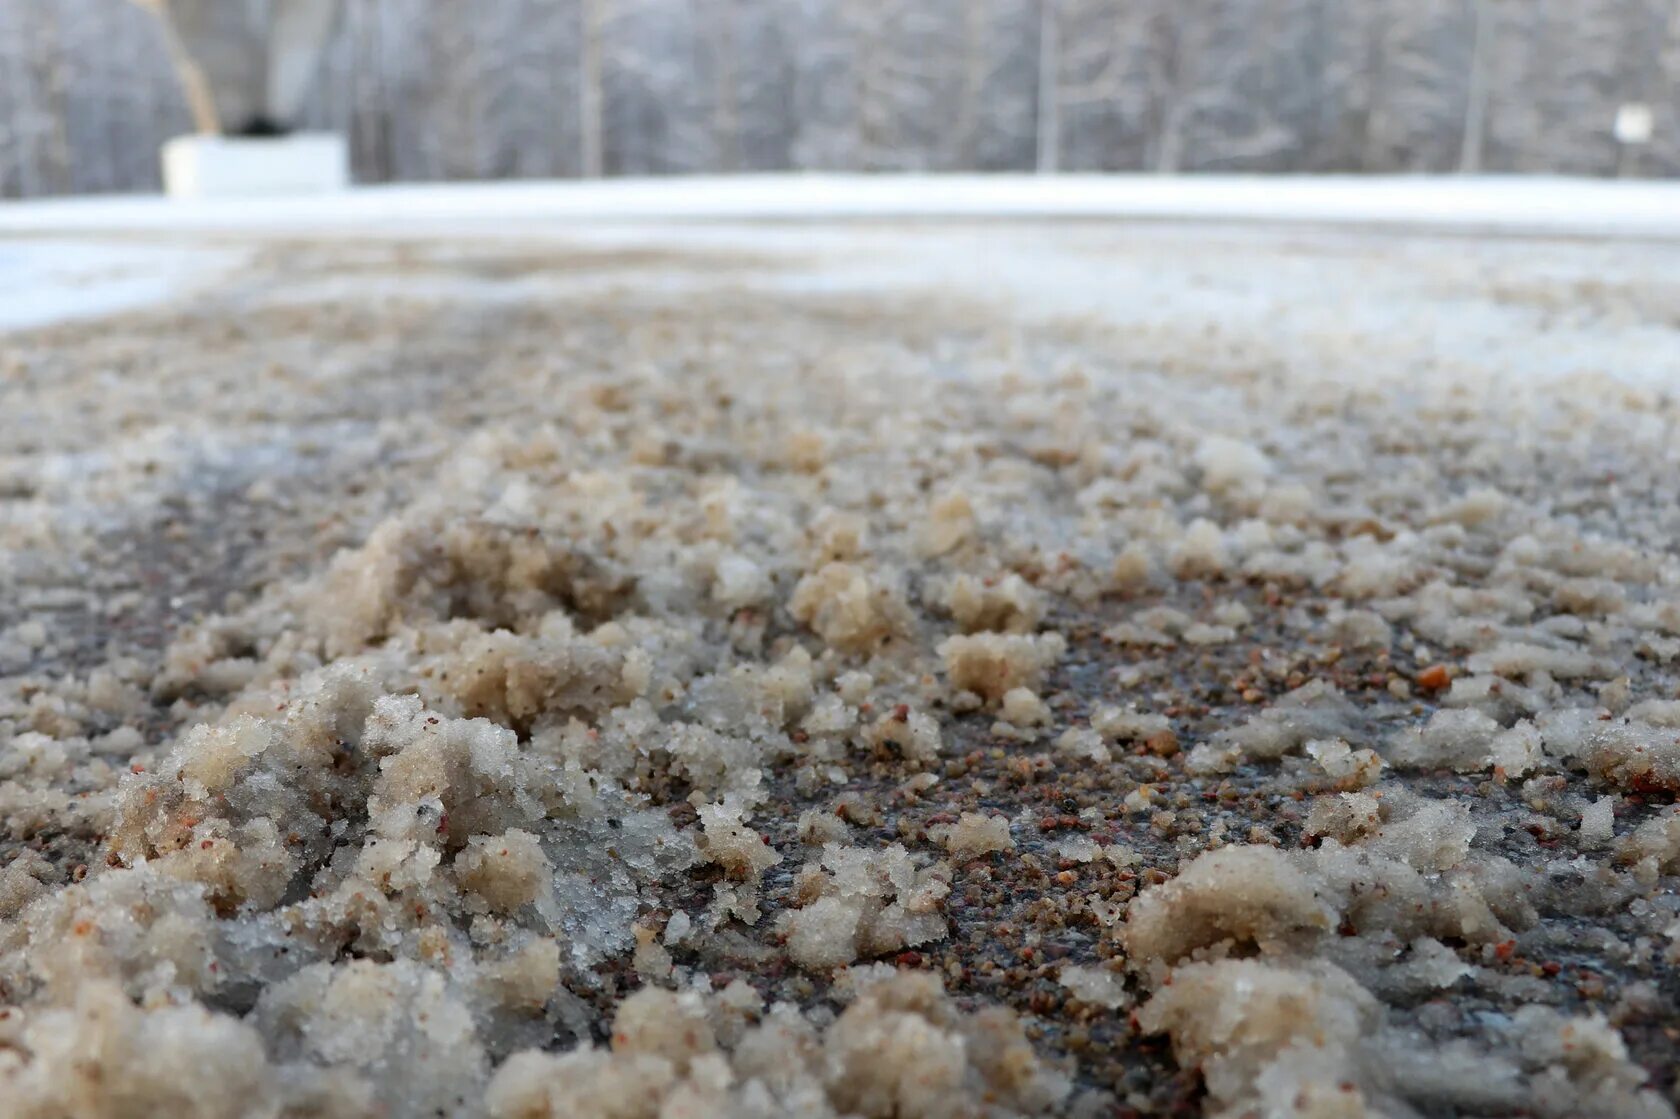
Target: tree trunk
point(1049, 90)
point(1476, 103)
point(974, 74)
point(20, 115)
point(1371, 112)
point(590, 162)
point(726, 95)
point(1169, 157)
point(49, 51)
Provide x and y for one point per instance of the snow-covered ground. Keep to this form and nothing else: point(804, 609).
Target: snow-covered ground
point(45, 280)
point(1551, 205)
point(1485, 277)
point(1236, 659)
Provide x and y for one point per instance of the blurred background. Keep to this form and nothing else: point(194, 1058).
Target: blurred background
point(490, 89)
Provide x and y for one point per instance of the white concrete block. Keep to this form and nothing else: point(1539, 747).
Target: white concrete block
point(240, 166)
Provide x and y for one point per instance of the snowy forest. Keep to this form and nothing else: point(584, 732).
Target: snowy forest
point(475, 89)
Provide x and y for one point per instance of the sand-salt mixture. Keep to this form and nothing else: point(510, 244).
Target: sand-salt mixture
point(447, 679)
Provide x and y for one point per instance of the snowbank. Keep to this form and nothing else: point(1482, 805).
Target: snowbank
point(1540, 205)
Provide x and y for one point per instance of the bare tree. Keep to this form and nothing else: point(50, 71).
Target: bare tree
point(1049, 88)
point(1357, 81)
point(1179, 83)
point(1663, 84)
point(370, 95)
point(591, 98)
point(19, 174)
point(1476, 98)
point(51, 65)
point(1091, 75)
point(722, 20)
point(976, 27)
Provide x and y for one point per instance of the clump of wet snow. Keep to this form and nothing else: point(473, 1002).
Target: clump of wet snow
point(642, 706)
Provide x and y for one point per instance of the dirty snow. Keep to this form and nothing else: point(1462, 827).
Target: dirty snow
point(884, 668)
